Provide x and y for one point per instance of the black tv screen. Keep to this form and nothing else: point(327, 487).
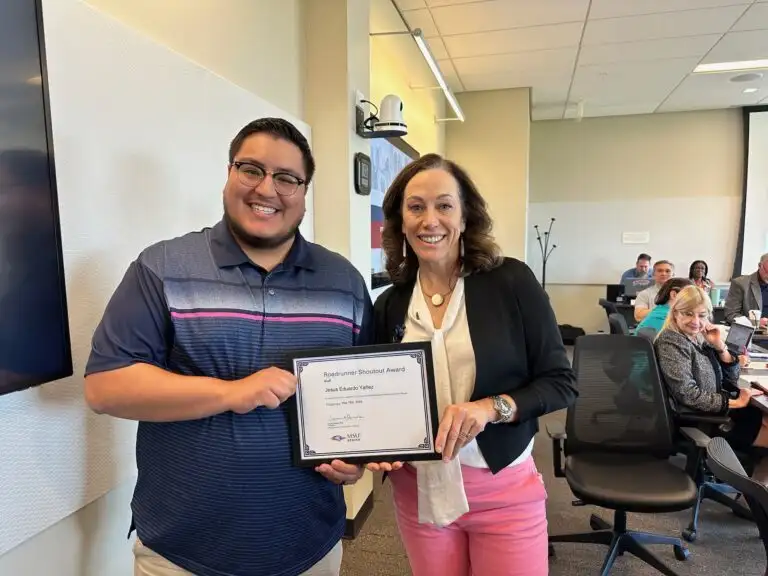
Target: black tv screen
point(34, 331)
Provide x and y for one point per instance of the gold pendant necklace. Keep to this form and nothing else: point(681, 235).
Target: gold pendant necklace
point(438, 299)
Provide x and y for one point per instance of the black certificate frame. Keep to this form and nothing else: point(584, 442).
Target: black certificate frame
point(304, 456)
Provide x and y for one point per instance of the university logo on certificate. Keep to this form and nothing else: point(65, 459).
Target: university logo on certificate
point(364, 404)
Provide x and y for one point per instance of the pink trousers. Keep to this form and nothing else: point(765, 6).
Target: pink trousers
point(503, 534)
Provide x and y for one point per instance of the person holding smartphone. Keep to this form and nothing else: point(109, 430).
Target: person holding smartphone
point(701, 373)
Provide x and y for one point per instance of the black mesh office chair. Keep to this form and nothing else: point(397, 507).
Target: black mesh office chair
point(647, 332)
point(726, 466)
point(609, 307)
point(618, 324)
point(694, 432)
point(608, 462)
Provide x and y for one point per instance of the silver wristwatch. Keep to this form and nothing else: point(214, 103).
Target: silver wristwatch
point(503, 409)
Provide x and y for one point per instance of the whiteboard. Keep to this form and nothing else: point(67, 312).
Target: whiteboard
point(598, 241)
point(141, 136)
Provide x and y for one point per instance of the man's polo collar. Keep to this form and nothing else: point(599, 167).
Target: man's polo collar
point(227, 252)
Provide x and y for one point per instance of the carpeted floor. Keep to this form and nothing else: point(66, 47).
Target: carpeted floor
point(726, 545)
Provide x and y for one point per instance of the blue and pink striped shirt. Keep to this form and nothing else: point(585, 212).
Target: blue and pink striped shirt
point(220, 496)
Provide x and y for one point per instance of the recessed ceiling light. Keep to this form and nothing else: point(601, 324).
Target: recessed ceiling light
point(747, 77)
point(750, 90)
point(731, 66)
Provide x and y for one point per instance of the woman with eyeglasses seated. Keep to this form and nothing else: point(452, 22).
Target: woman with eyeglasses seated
point(664, 299)
point(697, 273)
point(701, 374)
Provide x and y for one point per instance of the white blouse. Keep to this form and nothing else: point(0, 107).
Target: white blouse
point(441, 495)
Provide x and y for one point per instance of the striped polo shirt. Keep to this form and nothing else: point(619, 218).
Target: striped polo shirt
point(220, 496)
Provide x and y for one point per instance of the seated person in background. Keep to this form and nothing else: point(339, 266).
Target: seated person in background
point(664, 299)
point(747, 293)
point(701, 374)
point(698, 273)
point(646, 300)
point(642, 269)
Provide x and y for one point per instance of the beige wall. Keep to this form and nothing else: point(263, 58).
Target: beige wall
point(337, 65)
point(650, 156)
point(655, 156)
point(493, 145)
point(257, 44)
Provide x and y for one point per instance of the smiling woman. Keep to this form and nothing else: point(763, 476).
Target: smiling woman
point(499, 364)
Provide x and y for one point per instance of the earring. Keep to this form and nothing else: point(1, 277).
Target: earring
point(461, 247)
point(405, 248)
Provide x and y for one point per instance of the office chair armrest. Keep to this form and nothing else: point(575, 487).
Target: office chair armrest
point(556, 431)
point(695, 418)
point(696, 436)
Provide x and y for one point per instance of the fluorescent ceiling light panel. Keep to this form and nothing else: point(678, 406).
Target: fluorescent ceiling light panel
point(432, 63)
point(731, 66)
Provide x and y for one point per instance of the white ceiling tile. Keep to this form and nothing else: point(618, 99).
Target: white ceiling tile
point(450, 75)
point(635, 83)
point(559, 61)
point(708, 91)
point(546, 87)
point(591, 111)
point(756, 18)
point(619, 8)
point(421, 19)
point(514, 40)
point(668, 25)
point(737, 46)
point(434, 3)
point(437, 47)
point(501, 14)
point(648, 50)
point(410, 4)
point(547, 112)
point(550, 91)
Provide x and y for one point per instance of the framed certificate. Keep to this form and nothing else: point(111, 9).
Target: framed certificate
point(364, 404)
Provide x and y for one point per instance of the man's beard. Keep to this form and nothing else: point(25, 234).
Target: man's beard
point(259, 242)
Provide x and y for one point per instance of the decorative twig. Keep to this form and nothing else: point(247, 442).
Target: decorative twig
point(545, 249)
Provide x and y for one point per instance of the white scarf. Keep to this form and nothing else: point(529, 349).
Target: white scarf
point(441, 496)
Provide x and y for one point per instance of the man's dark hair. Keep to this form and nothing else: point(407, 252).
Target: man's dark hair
point(644, 256)
point(278, 128)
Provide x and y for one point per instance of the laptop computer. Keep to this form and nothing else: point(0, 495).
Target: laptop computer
point(739, 337)
point(634, 285)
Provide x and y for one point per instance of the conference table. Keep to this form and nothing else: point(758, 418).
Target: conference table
point(755, 375)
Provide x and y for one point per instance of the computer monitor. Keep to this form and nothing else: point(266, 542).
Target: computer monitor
point(613, 292)
point(634, 285)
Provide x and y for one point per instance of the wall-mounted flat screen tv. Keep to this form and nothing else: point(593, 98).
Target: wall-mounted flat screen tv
point(388, 157)
point(34, 331)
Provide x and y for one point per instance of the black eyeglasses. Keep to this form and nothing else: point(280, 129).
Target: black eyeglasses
point(252, 175)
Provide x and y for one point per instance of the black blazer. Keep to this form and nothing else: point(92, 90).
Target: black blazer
point(518, 351)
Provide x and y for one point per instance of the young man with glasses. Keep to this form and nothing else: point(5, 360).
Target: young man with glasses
point(194, 345)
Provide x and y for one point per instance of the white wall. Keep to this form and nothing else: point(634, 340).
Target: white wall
point(257, 44)
point(646, 167)
point(121, 186)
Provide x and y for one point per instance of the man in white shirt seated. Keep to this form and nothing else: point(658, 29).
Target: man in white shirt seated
point(663, 270)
